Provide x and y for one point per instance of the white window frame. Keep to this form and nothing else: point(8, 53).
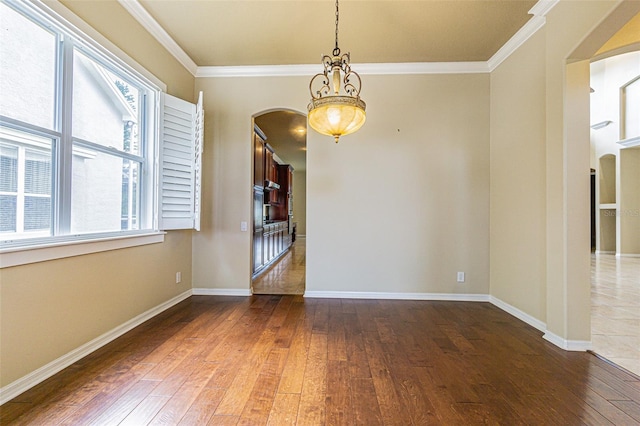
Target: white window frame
point(29, 251)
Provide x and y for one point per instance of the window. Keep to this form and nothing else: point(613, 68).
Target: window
point(78, 138)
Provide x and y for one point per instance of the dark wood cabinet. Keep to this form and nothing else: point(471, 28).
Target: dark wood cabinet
point(283, 207)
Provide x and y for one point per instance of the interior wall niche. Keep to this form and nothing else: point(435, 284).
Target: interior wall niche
point(628, 213)
point(608, 179)
point(607, 204)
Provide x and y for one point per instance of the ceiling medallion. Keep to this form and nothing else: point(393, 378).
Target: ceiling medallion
point(339, 111)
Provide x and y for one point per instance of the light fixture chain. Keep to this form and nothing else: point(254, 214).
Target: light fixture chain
point(336, 51)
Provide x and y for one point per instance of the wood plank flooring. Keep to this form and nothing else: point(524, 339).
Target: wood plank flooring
point(615, 309)
point(286, 360)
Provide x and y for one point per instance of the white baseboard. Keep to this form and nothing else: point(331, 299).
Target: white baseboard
point(567, 345)
point(221, 292)
point(523, 316)
point(397, 296)
point(25, 383)
point(605, 252)
point(627, 255)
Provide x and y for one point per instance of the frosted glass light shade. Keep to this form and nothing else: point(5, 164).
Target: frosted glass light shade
point(337, 115)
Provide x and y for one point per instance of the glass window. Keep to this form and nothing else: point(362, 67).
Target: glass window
point(85, 175)
point(25, 184)
point(28, 71)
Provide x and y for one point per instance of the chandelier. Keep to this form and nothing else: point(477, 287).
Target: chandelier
point(336, 111)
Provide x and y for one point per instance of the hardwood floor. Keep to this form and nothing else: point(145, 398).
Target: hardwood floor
point(279, 360)
point(615, 309)
point(287, 276)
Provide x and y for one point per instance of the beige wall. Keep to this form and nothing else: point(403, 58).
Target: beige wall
point(518, 184)
point(403, 204)
point(300, 201)
point(48, 309)
point(221, 251)
point(398, 207)
point(629, 214)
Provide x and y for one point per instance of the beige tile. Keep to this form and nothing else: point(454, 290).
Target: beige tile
point(615, 309)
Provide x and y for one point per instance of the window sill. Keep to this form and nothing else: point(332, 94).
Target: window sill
point(25, 255)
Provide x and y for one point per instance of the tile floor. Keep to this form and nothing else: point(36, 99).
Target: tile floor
point(287, 276)
point(615, 309)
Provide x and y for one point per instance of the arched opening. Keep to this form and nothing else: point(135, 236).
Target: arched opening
point(279, 202)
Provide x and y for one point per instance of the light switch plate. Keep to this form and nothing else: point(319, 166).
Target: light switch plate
point(243, 226)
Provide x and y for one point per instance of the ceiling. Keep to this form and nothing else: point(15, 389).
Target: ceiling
point(283, 32)
point(291, 32)
point(286, 132)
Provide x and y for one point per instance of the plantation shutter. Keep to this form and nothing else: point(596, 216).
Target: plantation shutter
point(180, 160)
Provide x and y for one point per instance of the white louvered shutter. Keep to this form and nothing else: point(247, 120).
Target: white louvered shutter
point(180, 158)
point(199, 146)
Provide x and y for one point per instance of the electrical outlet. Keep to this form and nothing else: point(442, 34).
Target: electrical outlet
point(460, 277)
point(178, 277)
point(243, 226)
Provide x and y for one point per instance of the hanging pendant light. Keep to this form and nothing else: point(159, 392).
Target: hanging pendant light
point(339, 110)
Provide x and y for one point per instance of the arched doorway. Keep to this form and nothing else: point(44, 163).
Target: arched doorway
point(279, 202)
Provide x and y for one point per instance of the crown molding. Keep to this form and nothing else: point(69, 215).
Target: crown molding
point(539, 12)
point(258, 71)
point(363, 69)
point(542, 7)
point(155, 29)
point(518, 39)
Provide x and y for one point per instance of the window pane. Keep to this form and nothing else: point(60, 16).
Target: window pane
point(104, 193)
point(105, 106)
point(25, 184)
point(37, 213)
point(37, 179)
point(27, 69)
point(8, 168)
point(8, 213)
point(632, 110)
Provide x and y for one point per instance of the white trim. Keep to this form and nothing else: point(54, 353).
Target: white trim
point(397, 296)
point(523, 316)
point(32, 379)
point(627, 255)
point(542, 7)
point(421, 68)
point(518, 39)
point(221, 292)
point(600, 125)
point(605, 252)
point(362, 69)
point(567, 345)
point(58, 250)
point(155, 29)
point(258, 71)
point(631, 142)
